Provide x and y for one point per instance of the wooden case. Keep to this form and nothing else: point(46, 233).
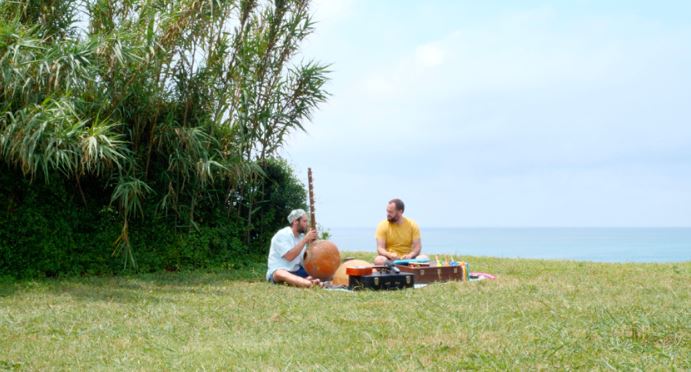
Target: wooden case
point(428, 274)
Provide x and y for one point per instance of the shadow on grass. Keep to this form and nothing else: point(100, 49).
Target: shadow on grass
point(8, 286)
point(136, 287)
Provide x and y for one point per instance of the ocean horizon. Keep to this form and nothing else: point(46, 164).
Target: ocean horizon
point(598, 244)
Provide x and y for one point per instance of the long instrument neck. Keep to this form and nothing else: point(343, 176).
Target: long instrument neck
point(313, 220)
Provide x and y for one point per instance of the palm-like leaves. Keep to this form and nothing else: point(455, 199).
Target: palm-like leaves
point(154, 98)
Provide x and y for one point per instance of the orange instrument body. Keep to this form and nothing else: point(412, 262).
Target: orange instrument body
point(322, 258)
point(359, 270)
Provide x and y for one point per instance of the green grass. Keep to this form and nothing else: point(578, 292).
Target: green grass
point(536, 315)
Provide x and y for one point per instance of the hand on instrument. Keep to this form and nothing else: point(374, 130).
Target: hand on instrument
point(408, 256)
point(311, 236)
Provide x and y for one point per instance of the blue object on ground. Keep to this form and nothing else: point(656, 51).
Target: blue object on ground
point(411, 260)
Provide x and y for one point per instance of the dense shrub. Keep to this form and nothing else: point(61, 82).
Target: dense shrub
point(49, 230)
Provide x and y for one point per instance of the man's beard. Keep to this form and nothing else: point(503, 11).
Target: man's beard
point(392, 219)
point(302, 230)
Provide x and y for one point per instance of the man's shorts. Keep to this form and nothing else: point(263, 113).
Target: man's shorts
point(301, 272)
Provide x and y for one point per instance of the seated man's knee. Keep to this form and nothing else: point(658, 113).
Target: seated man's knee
point(285, 276)
point(279, 276)
point(380, 260)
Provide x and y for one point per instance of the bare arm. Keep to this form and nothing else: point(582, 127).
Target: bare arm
point(381, 250)
point(297, 248)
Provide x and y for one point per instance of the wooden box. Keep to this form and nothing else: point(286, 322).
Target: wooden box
point(428, 274)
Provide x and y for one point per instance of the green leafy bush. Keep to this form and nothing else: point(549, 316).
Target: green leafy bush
point(48, 230)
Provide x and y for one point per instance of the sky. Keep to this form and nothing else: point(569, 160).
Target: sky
point(501, 113)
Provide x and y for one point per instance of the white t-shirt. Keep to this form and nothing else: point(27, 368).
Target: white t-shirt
point(281, 243)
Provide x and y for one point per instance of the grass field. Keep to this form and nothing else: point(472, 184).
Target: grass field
point(536, 315)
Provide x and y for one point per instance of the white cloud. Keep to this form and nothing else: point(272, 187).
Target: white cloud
point(429, 55)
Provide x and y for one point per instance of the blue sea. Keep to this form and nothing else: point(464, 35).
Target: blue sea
point(589, 244)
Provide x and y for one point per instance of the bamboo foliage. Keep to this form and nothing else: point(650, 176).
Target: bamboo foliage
point(157, 99)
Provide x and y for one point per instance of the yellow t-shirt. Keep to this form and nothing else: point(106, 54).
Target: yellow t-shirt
point(398, 238)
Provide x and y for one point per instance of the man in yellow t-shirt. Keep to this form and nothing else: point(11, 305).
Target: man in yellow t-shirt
point(397, 237)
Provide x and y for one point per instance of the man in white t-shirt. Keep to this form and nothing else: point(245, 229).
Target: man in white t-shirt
point(287, 251)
